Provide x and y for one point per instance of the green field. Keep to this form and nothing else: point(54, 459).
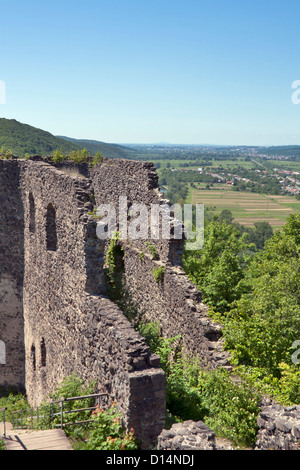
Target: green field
point(226, 164)
point(248, 208)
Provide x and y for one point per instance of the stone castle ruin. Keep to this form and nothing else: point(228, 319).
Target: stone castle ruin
point(56, 317)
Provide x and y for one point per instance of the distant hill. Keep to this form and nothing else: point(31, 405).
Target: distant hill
point(22, 138)
point(285, 150)
point(108, 150)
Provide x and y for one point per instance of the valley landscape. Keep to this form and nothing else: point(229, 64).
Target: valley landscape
point(229, 170)
point(115, 334)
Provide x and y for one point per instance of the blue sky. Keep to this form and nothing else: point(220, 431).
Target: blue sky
point(139, 71)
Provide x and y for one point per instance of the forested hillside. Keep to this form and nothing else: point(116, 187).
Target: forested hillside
point(23, 139)
point(109, 150)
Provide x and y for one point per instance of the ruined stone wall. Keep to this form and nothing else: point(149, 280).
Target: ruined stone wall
point(174, 302)
point(278, 427)
point(54, 277)
point(138, 183)
point(70, 326)
point(12, 373)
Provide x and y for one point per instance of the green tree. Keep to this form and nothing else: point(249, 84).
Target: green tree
point(265, 321)
point(218, 267)
point(261, 232)
point(225, 215)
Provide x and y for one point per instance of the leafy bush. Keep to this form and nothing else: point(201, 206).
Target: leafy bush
point(107, 432)
point(285, 390)
point(229, 408)
point(71, 386)
point(219, 267)
point(256, 297)
point(232, 407)
point(13, 402)
point(98, 158)
point(58, 156)
point(79, 156)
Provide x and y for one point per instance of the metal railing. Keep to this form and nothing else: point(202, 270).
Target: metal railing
point(3, 410)
point(47, 413)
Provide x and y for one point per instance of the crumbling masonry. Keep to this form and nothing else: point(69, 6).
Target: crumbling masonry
point(55, 315)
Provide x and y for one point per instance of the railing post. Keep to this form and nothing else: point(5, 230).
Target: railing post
point(61, 413)
point(4, 422)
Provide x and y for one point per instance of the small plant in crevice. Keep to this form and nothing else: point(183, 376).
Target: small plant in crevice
point(114, 262)
point(94, 214)
point(116, 288)
point(153, 251)
point(158, 274)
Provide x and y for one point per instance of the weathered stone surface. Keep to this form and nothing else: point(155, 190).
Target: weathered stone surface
point(189, 435)
point(11, 276)
point(278, 428)
point(54, 314)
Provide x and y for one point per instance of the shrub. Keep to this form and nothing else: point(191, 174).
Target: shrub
point(58, 156)
point(284, 390)
point(232, 407)
point(107, 432)
point(98, 158)
point(229, 408)
point(71, 386)
point(79, 156)
point(13, 402)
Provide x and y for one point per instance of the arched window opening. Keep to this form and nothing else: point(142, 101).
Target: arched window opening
point(51, 228)
point(31, 213)
point(2, 353)
point(33, 357)
point(43, 353)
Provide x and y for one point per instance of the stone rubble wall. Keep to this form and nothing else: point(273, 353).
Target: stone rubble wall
point(187, 436)
point(175, 303)
point(279, 428)
point(70, 326)
point(12, 374)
